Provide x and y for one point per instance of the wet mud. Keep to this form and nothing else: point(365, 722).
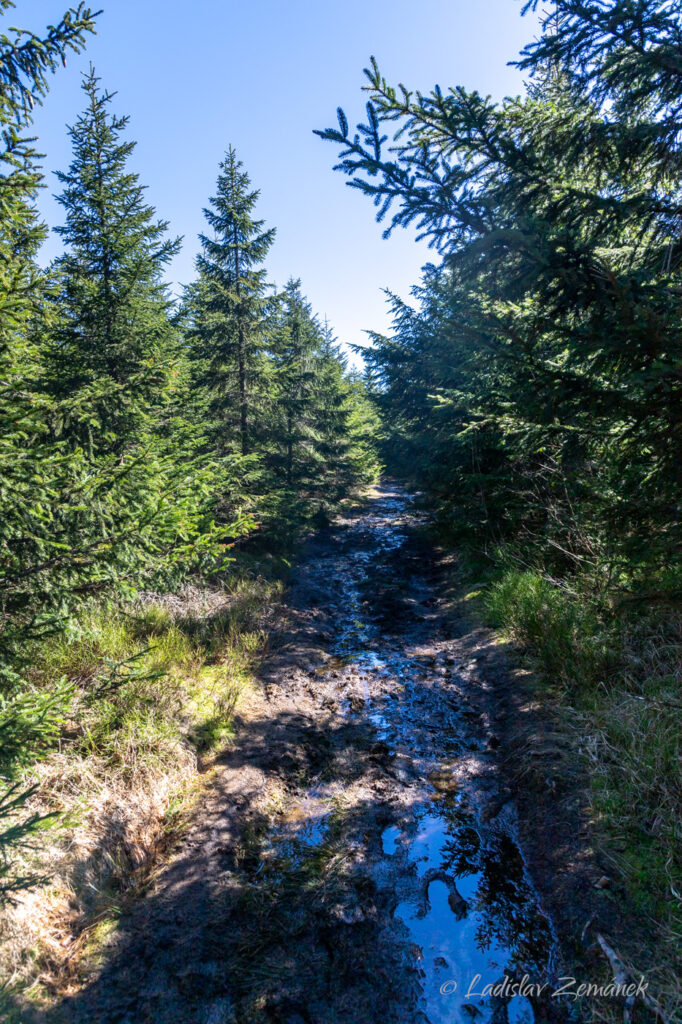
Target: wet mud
point(357, 857)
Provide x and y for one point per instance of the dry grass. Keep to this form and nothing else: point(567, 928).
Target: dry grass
point(617, 684)
point(630, 732)
point(153, 694)
point(113, 828)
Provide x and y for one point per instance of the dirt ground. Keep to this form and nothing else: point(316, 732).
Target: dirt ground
point(357, 856)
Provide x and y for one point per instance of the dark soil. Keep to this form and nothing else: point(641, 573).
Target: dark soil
point(391, 828)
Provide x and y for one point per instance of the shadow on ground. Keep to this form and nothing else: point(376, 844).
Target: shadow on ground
point(283, 903)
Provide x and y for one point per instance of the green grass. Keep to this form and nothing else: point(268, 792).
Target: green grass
point(119, 711)
point(560, 629)
point(615, 681)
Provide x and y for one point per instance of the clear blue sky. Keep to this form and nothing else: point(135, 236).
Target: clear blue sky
point(196, 77)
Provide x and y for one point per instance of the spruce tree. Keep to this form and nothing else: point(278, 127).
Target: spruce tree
point(35, 473)
point(555, 216)
point(297, 340)
point(337, 443)
point(114, 346)
point(37, 476)
point(323, 424)
point(119, 365)
point(229, 308)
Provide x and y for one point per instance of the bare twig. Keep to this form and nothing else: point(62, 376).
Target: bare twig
point(622, 977)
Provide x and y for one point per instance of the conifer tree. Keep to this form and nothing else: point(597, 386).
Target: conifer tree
point(117, 364)
point(229, 308)
point(338, 444)
point(297, 339)
point(321, 442)
point(558, 309)
point(34, 472)
point(114, 347)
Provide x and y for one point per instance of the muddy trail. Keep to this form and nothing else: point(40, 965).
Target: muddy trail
point(355, 857)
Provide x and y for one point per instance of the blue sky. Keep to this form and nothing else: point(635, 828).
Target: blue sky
point(261, 76)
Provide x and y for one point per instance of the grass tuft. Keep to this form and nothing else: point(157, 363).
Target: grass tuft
point(127, 703)
point(617, 677)
point(560, 630)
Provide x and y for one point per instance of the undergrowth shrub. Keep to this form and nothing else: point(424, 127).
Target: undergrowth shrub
point(561, 630)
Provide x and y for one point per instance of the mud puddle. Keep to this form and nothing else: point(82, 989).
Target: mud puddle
point(463, 906)
point(355, 859)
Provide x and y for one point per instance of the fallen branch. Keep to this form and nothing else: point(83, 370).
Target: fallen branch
point(622, 977)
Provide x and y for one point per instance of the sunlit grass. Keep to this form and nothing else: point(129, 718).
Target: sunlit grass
point(147, 697)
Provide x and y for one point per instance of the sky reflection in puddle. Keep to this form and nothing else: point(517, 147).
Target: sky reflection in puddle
point(502, 931)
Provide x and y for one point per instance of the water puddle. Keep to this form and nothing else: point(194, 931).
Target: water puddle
point(303, 826)
point(495, 932)
point(389, 840)
point(467, 910)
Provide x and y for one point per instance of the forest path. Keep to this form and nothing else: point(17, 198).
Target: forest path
point(354, 859)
